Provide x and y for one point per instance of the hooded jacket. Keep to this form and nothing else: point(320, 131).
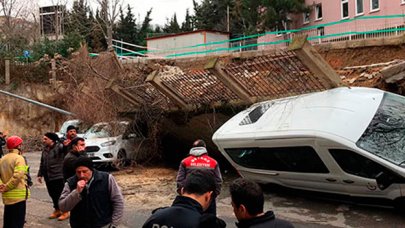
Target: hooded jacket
point(199, 159)
point(13, 173)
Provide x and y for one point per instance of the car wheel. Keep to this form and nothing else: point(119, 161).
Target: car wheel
point(122, 160)
point(399, 205)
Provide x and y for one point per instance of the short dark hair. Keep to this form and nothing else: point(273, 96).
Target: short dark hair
point(71, 127)
point(76, 140)
point(199, 143)
point(199, 182)
point(249, 194)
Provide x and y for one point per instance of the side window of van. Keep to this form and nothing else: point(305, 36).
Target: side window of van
point(356, 164)
point(293, 159)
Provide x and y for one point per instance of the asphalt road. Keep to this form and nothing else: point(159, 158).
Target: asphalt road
point(302, 210)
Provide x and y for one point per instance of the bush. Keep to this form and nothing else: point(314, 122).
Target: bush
point(70, 41)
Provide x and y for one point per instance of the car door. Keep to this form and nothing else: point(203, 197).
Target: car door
point(359, 175)
point(290, 162)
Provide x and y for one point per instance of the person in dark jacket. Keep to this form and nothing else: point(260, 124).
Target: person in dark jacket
point(92, 196)
point(247, 202)
point(2, 143)
point(71, 133)
point(77, 150)
point(51, 170)
point(187, 209)
point(198, 159)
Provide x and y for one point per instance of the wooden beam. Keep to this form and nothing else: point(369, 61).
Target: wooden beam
point(124, 94)
point(314, 61)
point(215, 67)
point(155, 80)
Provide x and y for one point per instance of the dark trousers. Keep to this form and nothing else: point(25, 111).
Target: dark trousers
point(55, 188)
point(14, 215)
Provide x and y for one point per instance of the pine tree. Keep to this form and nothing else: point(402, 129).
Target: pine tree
point(188, 23)
point(126, 29)
point(145, 29)
point(172, 26)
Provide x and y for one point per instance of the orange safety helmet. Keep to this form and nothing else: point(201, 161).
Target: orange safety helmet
point(13, 142)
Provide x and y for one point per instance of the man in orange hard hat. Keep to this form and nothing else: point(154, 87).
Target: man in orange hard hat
point(13, 184)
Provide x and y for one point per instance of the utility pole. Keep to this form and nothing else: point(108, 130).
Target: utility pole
point(227, 18)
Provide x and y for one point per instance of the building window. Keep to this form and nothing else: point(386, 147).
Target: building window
point(374, 5)
point(306, 17)
point(345, 9)
point(359, 7)
point(402, 1)
point(318, 12)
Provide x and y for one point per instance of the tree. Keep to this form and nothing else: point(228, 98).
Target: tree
point(108, 16)
point(188, 23)
point(126, 28)
point(172, 26)
point(145, 29)
point(17, 29)
point(276, 13)
point(78, 19)
point(211, 14)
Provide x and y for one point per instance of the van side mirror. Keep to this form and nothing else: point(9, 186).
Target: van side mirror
point(383, 180)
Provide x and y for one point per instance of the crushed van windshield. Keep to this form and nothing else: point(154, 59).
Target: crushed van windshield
point(385, 135)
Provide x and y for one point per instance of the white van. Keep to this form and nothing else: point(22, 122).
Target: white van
point(347, 141)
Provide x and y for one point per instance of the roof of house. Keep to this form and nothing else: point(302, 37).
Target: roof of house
point(187, 33)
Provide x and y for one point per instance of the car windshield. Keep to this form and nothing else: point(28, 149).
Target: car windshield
point(385, 135)
point(105, 130)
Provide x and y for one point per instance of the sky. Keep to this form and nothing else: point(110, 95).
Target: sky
point(162, 9)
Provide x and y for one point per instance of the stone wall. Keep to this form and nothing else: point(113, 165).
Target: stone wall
point(18, 117)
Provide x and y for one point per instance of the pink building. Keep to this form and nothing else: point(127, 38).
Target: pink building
point(329, 11)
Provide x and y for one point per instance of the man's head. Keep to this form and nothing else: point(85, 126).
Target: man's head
point(50, 138)
point(71, 132)
point(14, 142)
point(199, 143)
point(78, 144)
point(247, 198)
point(200, 186)
point(84, 168)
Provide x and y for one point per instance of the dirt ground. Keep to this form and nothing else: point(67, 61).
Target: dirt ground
point(150, 187)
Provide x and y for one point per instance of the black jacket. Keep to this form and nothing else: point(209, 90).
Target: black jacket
point(184, 213)
point(69, 164)
point(51, 166)
point(95, 209)
point(2, 143)
point(268, 220)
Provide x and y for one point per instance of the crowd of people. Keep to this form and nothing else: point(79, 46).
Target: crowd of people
point(91, 198)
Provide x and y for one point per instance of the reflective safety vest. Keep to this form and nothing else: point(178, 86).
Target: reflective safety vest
point(13, 174)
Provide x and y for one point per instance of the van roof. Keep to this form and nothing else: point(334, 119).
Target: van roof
point(343, 112)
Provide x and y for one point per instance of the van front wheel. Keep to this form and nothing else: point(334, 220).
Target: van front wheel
point(399, 204)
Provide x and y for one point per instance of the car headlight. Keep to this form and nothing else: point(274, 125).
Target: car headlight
point(109, 143)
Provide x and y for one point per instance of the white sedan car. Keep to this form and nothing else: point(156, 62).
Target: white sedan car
point(110, 143)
